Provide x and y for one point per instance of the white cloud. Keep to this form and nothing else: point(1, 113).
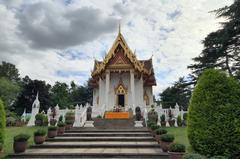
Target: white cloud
point(33, 33)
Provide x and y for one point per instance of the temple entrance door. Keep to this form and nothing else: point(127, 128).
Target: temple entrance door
point(121, 100)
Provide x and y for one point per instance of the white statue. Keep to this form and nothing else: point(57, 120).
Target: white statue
point(35, 111)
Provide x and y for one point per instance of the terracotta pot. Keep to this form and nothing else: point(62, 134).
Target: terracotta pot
point(176, 155)
point(39, 139)
point(19, 123)
point(53, 122)
point(154, 133)
point(68, 126)
point(38, 123)
point(157, 137)
point(171, 122)
point(165, 146)
point(61, 130)
point(52, 133)
point(163, 123)
point(19, 146)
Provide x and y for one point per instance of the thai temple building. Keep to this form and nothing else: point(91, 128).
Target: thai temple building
point(121, 80)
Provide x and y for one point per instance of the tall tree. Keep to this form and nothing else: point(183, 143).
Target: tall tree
point(9, 71)
point(222, 47)
point(8, 92)
point(60, 95)
point(28, 95)
point(179, 93)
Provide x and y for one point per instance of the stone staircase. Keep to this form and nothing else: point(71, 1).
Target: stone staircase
point(97, 143)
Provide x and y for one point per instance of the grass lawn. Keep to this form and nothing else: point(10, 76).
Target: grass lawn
point(179, 133)
point(13, 131)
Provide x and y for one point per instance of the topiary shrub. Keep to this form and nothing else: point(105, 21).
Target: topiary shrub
point(179, 121)
point(167, 138)
point(2, 122)
point(138, 113)
point(213, 118)
point(176, 147)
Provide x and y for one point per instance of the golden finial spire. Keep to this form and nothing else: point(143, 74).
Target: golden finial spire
point(119, 27)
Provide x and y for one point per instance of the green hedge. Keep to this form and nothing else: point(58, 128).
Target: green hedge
point(2, 122)
point(213, 118)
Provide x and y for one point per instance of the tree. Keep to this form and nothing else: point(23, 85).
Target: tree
point(179, 93)
point(213, 118)
point(9, 71)
point(81, 94)
point(60, 95)
point(8, 92)
point(28, 95)
point(2, 122)
point(222, 47)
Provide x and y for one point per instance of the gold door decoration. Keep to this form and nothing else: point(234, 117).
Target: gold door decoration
point(121, 90)
point(146, 98)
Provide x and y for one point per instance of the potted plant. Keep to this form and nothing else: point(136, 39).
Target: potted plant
point(39, 119)
point(160, 132)
point(171, 120)
point(163, 120)
point(39, 136)
point(69, 124)
point(149, 124)
point(20, 143)
point(176, 151)
point(154, 127)
point(179, 121)
point(70, 116)
point(165, 141)
point(52, 131)
point(45, 120)
point(98, 118)
point(61, 128)
point(152, 115)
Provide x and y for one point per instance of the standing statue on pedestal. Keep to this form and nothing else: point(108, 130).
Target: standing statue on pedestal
point(35, 110)
point(89, 122)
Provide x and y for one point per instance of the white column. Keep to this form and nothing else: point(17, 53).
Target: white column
point(132, 89)
point(107, 89)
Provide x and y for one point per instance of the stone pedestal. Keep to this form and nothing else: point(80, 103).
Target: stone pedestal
point(138, 124)
point(89, 124)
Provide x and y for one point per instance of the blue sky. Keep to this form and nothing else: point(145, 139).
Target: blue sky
point(57, 40)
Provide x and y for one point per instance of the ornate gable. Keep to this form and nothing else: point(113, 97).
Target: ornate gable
point(128, 57)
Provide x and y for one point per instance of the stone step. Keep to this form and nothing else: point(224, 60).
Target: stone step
point(101, 138)
point(77, 130)
point(93, 153)
point(99, 144)
point(108, 134)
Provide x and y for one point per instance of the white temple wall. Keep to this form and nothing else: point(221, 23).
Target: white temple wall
point(101, 92)
point(149, 92)
point(95, 96)
point(139, 92)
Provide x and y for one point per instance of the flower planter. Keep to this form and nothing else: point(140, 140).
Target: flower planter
point(176, 155)
point(171, 122)
point(53, 122)
point(52, 133)
point(19, 146)
point(39, 139)
point(163, 123)
point(61, 130)
point(68, 126)
point(157, 137)
point(38, 122)
point(165, 146)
